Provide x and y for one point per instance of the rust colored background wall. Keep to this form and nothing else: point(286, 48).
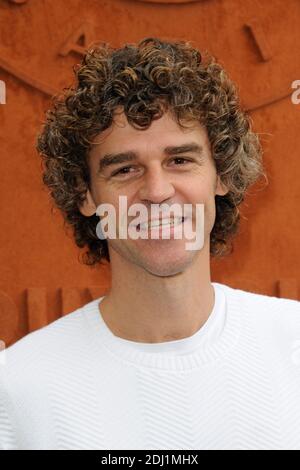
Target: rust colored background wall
point(258, 42)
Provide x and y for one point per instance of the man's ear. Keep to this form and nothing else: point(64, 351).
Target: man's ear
point(88, 207)
point(221, 188)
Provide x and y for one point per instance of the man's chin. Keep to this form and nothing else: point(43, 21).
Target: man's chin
point(156, 258)
point(167, 265)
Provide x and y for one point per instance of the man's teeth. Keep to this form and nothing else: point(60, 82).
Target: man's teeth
point(158, 223)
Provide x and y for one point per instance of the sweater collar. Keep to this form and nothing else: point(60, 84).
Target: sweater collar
point(210, 343)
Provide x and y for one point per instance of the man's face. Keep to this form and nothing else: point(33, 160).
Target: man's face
point(161, 171)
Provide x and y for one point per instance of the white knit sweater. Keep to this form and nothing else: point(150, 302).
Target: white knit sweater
point(234, 384)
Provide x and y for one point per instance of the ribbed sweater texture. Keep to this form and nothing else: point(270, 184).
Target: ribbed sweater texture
point(234, 384)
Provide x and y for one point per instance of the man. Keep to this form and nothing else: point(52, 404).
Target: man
point(167, 359)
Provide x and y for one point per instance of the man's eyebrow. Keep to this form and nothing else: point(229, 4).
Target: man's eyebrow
point(185, 148)
point(115, 158)
point(129, 156)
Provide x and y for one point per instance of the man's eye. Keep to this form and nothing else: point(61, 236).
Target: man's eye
point(181, 160)
point(122, 171)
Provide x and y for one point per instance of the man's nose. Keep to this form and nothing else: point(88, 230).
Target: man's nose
point(156, 186)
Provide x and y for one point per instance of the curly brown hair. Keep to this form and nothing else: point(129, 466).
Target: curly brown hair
point(144, 79)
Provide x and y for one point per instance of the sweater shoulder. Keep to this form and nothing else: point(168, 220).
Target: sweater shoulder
point(52, 340)
point(29, 365)
point(269, 312)
point(263, 300)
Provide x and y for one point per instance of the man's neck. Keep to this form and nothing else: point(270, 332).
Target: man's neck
point(145, 308)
